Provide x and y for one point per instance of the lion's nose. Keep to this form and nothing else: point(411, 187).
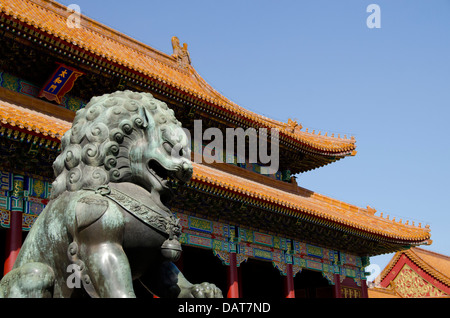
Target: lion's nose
point(187, 170)
point(187, 166)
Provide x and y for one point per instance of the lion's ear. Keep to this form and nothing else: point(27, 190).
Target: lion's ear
point(89, 209)
point(149, 121)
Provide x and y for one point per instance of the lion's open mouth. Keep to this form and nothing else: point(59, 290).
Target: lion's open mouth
point(169, 180)
point(165, 177)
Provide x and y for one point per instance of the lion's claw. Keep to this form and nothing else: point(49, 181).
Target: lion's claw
point(206, 290)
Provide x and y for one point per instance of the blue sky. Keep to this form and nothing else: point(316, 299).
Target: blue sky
point(319, 63)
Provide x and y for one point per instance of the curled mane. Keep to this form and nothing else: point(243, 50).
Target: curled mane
point(95, 151)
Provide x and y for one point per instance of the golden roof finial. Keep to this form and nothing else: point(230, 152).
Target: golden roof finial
point(294, 126)
point(181, 53)
point(371, 210)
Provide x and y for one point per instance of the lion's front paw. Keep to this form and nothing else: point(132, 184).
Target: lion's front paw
point(206, 290)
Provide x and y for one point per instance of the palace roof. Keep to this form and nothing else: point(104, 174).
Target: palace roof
point(415, 272)
point(300, 203)
point(142, 61)
point(32, 121)
point(289, 199)
point(435, 264)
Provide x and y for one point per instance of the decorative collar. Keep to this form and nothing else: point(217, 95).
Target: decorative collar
point(166, 224)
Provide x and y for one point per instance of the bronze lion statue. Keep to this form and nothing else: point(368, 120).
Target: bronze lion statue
point(107, 223)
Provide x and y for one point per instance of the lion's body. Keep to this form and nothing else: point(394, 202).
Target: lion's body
point(85, 243)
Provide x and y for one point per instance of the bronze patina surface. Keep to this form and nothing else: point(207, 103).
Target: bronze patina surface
point(107, 223)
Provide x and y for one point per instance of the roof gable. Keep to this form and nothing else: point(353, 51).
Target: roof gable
point(417, 273)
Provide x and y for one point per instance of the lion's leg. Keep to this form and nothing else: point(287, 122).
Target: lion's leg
point(104, 268)
point(32, 280)
point(106, 272)
point(109, 271)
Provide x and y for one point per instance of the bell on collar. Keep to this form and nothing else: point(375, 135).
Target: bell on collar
point(171, 249)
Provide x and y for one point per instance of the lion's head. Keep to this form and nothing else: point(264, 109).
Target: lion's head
point(123, 137)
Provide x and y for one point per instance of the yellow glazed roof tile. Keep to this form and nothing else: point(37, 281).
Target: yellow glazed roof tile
point(51, 17)
point(314, 205)
point(32, 121)
point(439, 263)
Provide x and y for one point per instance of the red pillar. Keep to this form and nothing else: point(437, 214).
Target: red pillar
point(241, 293)
point(337, 286)
point(233, 278)
point(289, 291)
point(364, 292)
point(13, 240)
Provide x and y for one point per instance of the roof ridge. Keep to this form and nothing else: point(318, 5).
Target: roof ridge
point(422, 250)
point(368, 210)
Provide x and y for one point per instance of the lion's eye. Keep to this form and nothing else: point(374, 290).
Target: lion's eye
point(176, 151)
point(168, 147)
